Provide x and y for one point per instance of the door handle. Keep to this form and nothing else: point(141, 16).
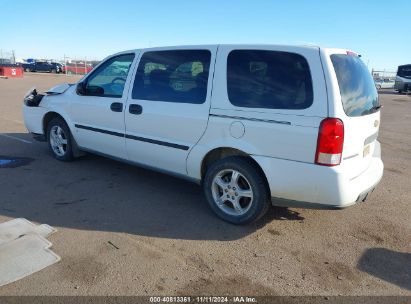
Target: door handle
point(135, 109)
point(116, 107)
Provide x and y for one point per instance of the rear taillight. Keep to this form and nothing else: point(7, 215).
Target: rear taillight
point(330, 142)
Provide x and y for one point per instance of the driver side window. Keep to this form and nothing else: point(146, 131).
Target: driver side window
point(109, 78)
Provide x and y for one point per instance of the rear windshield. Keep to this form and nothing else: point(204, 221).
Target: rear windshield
point(358, 93)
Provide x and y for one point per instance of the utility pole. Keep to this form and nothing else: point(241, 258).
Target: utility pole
point(65, 63)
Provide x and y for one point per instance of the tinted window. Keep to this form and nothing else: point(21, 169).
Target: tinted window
point(109, 79)
point(357, 88)
point(268, 79)
point(404, 71)
point(173, 76)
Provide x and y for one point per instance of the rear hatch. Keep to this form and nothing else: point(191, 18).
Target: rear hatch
point(360, 102)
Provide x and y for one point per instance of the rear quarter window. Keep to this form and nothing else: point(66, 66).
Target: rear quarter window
point(358, 93)
point(268, 79)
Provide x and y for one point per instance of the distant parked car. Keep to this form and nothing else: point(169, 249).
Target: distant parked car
point(403, 78)
point(59, 67)
point(43, 66)
point(384, 83)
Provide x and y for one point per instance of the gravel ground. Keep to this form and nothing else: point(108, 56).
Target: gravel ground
point(124, 230)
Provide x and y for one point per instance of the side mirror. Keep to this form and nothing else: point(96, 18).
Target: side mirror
point(81, 88)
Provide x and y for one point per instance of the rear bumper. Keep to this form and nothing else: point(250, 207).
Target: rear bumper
point(309, 205)
point(402, 86)
point(294, 184)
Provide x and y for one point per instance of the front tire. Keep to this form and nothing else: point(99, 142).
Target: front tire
point(59, 139)
point(236, 190)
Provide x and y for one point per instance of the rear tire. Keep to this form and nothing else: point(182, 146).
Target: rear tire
point(236, 190)
point(59, 139)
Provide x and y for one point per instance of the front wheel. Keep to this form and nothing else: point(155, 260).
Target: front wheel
point(59, 139)
point(236, 190)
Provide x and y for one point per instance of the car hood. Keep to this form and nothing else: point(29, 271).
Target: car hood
point(59, 89)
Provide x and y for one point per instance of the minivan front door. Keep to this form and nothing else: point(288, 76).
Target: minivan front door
point(168, 108)
point(97, 107)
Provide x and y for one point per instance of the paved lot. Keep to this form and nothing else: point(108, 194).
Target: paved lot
point(129, 231)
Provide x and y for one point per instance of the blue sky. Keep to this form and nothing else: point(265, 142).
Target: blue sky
point(94, 29)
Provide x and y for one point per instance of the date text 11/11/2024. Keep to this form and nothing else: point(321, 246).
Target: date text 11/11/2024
point(203, 299)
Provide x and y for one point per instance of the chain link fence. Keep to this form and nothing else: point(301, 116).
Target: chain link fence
point(77, 65)
point(68, 65)
point(7, 57)
point(381, 74)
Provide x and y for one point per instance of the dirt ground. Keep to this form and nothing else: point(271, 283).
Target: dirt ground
point(124, 230)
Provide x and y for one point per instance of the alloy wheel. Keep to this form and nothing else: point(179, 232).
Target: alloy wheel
point(232, 192)
point(58, 140)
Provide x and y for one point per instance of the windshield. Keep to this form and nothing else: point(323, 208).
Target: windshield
point(358, 93)
point(404, 71)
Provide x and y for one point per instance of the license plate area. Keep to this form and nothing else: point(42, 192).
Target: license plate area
point(368, 142)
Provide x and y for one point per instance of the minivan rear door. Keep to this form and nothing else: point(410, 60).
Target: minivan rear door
point(168, 107)
point(354, 99)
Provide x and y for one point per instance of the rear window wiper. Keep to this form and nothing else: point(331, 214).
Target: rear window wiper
point(371, 110)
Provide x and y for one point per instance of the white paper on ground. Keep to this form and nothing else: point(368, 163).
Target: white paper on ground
point(13, 229)
point(24, 256)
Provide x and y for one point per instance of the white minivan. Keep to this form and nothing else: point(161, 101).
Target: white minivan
point(255, 125)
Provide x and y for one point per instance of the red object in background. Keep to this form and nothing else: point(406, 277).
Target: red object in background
point(11, 71)
point(79, 69)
